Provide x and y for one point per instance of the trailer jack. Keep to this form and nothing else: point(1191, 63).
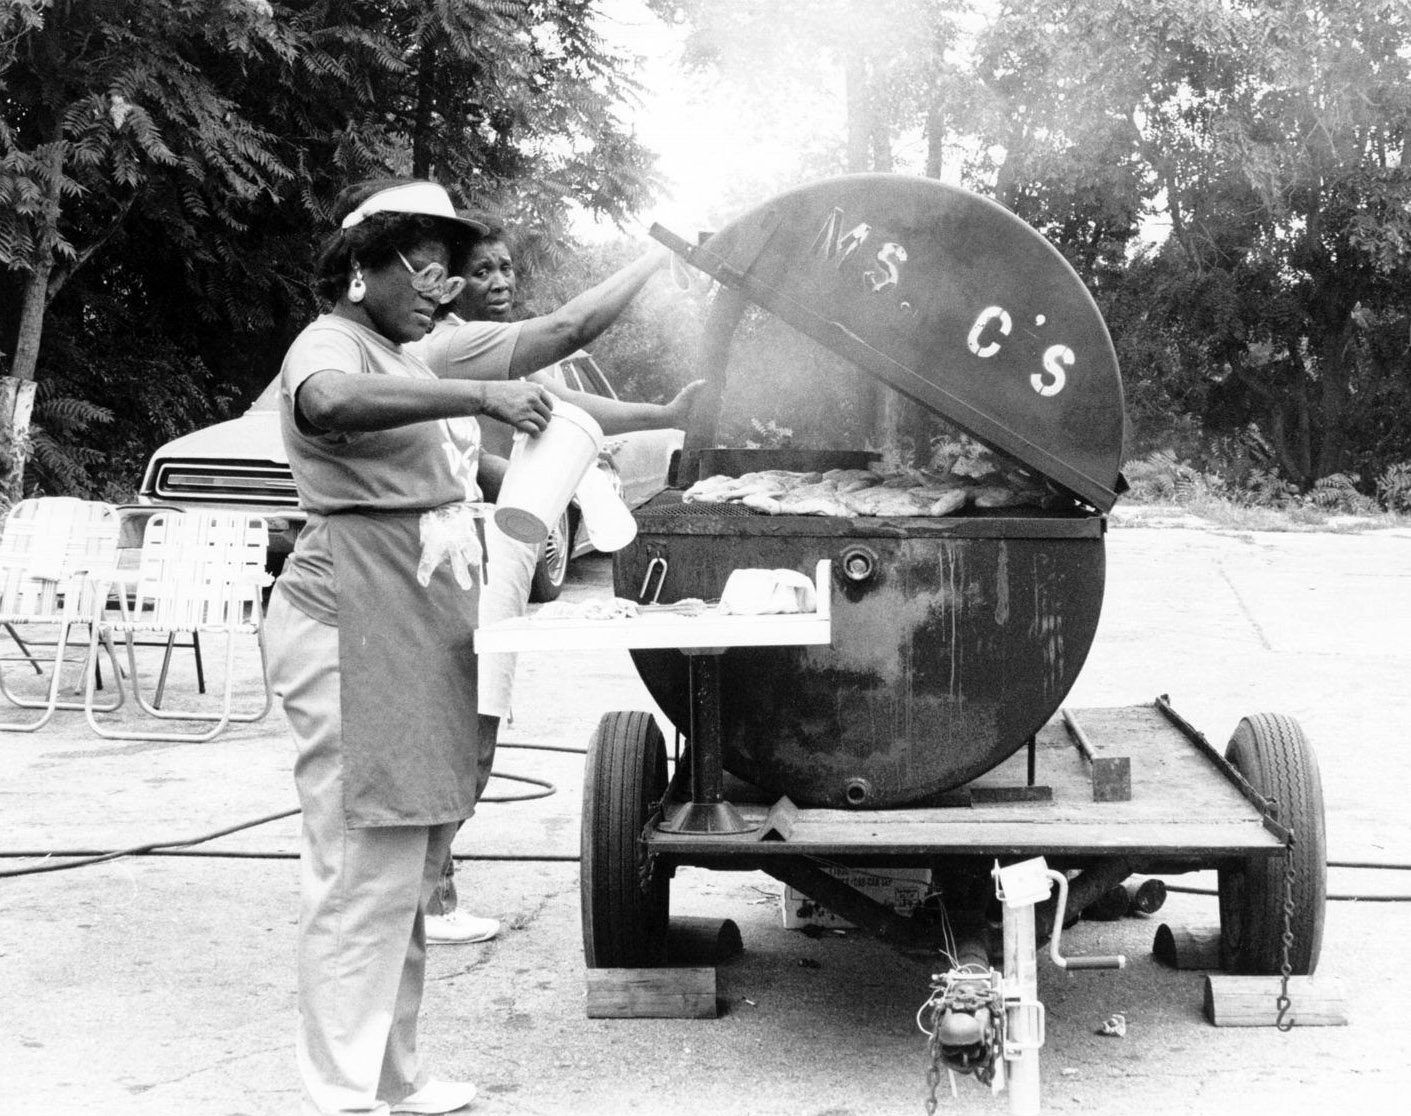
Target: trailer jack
point(989, 1024)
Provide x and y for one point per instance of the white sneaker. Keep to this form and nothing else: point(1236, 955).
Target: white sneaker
point(438, 1096)
point(458, 928)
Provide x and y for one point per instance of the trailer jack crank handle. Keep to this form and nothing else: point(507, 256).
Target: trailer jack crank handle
point(1117, 961)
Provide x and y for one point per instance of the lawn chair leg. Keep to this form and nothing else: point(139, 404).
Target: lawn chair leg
point(52, 703)
point(89, 664)
point(23, 649)
point(118, 696)
point(166, 663)
point(162, 676)
point(220, 721)
point(200, 670)
point(97, 665)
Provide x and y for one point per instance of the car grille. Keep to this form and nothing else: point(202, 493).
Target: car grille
point(205, 482)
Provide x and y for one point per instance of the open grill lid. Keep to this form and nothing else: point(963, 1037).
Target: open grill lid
point(948, 298)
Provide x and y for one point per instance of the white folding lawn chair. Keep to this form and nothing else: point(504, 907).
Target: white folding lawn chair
point(49, 546)
point(199, 572)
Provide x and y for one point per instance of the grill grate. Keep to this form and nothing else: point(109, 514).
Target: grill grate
point(675, 511)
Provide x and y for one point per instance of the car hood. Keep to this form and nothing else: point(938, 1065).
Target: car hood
point(255, 435)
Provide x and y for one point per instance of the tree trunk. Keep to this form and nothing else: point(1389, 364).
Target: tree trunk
point(17, 389)
point(15, 406)
point(1338, 368)
point(1006, 174)
point(935, 142)
point(422, 117)
point(859, 118)
point(31, 327)
point(35, 299)
point(881, 142)
point(1303, 430)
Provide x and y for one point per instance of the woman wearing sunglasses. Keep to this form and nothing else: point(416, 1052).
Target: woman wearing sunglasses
point(370, 627)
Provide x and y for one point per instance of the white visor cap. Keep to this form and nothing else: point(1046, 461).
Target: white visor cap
point(413, 197)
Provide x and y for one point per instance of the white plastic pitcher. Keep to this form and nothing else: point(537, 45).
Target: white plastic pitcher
point(606, 518)
point(544, 472)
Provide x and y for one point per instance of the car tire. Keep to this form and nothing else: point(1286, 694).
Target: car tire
point(552, 567)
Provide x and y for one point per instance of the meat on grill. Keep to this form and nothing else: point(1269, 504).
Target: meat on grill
point(854, 492)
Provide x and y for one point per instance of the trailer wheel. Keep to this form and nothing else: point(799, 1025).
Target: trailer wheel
point(626, 908)
point(1270, 751)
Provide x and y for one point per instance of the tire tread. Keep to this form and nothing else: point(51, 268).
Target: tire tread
point(623, 926)
point(1272, 753)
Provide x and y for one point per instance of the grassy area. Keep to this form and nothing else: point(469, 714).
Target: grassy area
point(1215, 512)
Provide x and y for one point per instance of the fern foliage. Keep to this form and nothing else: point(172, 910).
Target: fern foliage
point(1394, 487)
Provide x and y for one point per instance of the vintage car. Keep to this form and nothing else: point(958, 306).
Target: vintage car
point(241, 464)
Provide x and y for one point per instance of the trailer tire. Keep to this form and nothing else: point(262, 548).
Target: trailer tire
point(1271, 752)
point(626, 909)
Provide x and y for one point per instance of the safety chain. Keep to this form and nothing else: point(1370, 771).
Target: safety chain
point(933, 1071)
point(647, 861)
point(955, 991)
point(1286, 967)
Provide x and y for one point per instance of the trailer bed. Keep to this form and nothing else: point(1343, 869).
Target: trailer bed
point(1181, 807)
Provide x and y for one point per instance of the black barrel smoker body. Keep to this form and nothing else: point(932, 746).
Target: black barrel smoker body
point(954, 643)
point(957, 637)
point(954, 639)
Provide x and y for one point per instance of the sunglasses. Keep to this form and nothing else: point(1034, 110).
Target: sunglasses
point(434, 281)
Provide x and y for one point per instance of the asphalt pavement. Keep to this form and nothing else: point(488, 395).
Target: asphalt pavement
point(164, 984)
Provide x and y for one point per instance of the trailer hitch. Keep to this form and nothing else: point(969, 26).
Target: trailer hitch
point(991, 1024)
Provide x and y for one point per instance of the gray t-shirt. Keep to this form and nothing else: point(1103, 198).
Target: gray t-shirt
point(457, 349)
point(418, 466)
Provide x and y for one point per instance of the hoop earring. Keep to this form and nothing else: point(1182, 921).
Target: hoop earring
point(357, 289)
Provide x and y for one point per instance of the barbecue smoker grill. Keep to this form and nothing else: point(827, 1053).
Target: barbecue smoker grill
point(924, 733)
point(954, 638)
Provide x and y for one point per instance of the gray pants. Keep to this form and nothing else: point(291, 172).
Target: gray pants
point(444, 900)
point(363, 893)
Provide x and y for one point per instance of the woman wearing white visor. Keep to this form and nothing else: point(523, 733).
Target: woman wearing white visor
point(371, 627)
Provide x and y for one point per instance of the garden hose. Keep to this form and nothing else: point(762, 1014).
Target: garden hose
point(81, 858)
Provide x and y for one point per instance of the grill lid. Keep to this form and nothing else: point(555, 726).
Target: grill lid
point(948, 298)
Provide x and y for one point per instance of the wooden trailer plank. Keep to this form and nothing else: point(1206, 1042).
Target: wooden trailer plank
point(1028, 836)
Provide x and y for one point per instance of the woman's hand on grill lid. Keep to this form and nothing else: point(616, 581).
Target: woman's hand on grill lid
point(525, 406)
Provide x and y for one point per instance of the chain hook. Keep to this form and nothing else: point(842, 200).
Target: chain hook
point(1283, 1003)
